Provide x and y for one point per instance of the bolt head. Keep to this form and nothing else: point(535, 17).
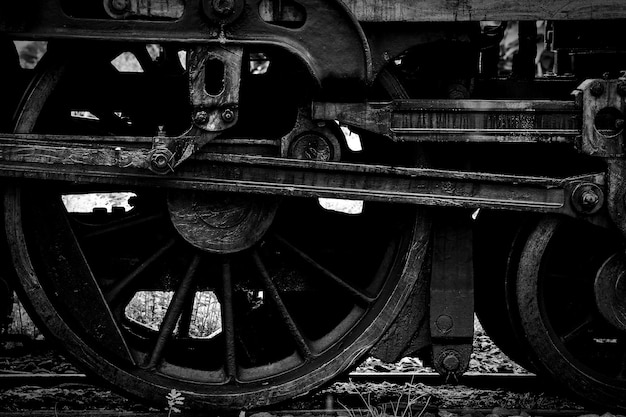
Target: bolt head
point(119, 5)
point(444, 323)
point(451, 363)
point(589, 199)
point(596, 88)
point(224, 7)
point(159, 161)
point(228, 115)
point(201, 117)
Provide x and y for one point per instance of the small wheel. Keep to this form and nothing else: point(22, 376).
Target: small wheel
point(563, 312)
point(293, 306)
point(499, 239)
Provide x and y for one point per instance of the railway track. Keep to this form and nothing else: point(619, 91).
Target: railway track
point(510, 382)
point(302, 413)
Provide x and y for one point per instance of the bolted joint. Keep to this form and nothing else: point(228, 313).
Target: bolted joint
point(587, 198)
point(201, 117)
point(224, 7)
point(119, 6)
point(162, 161)
point(228, 115)
point(449, 362)
point(596, 88)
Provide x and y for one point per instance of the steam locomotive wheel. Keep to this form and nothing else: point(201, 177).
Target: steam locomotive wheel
point(297, 304)
point(570, 300)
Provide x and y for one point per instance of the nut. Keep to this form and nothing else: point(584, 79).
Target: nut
point(589, 199)
point(224, 7)
point(228, 115)
point(596, 89)
point(119, 5)
point(451, 362)
point(201, 117)
point(161, 161)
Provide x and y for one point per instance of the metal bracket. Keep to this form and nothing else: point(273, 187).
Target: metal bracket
point(602, 102)
point(202, 22)
point(214, 81)
point(452, 292)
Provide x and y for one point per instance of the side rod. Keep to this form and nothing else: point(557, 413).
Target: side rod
point(24, 156)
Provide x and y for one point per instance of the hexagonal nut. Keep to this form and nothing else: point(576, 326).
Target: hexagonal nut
point(162, 161)
point(587, 198)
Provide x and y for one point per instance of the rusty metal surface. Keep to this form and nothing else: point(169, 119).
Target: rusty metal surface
point(151, 9)
point(482, 10)
point(452, 292)
point(267, 175)
point(215, 109)
point(348, 60)
point(506, 121)
point(602, 103)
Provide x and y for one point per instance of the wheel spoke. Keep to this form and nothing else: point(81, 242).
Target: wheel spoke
point(173, 313)
point(184, 324)
point(578, 331)
point(349, 289)
point(228, 321)
point(123, 224)
point(272, 291)
point(113, 294)
point(79, 296)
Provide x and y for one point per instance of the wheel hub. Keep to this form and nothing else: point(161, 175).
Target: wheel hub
point(610, 291)
point(220, 222)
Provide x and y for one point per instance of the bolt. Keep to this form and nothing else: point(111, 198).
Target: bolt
point(589, 199)
point(161, 161)
point(201, 117)
point(597, 89)
point(621, 88)
point(224, 7)
point(120, 5)
point(228, 115)
point(444, 323)
point(451, 362)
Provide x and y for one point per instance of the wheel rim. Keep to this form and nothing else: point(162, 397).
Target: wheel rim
point(555, 295)
point(353, 271)
point(499, 239)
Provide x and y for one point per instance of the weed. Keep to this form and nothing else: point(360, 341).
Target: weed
point(393, 409)
point(174, 400)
